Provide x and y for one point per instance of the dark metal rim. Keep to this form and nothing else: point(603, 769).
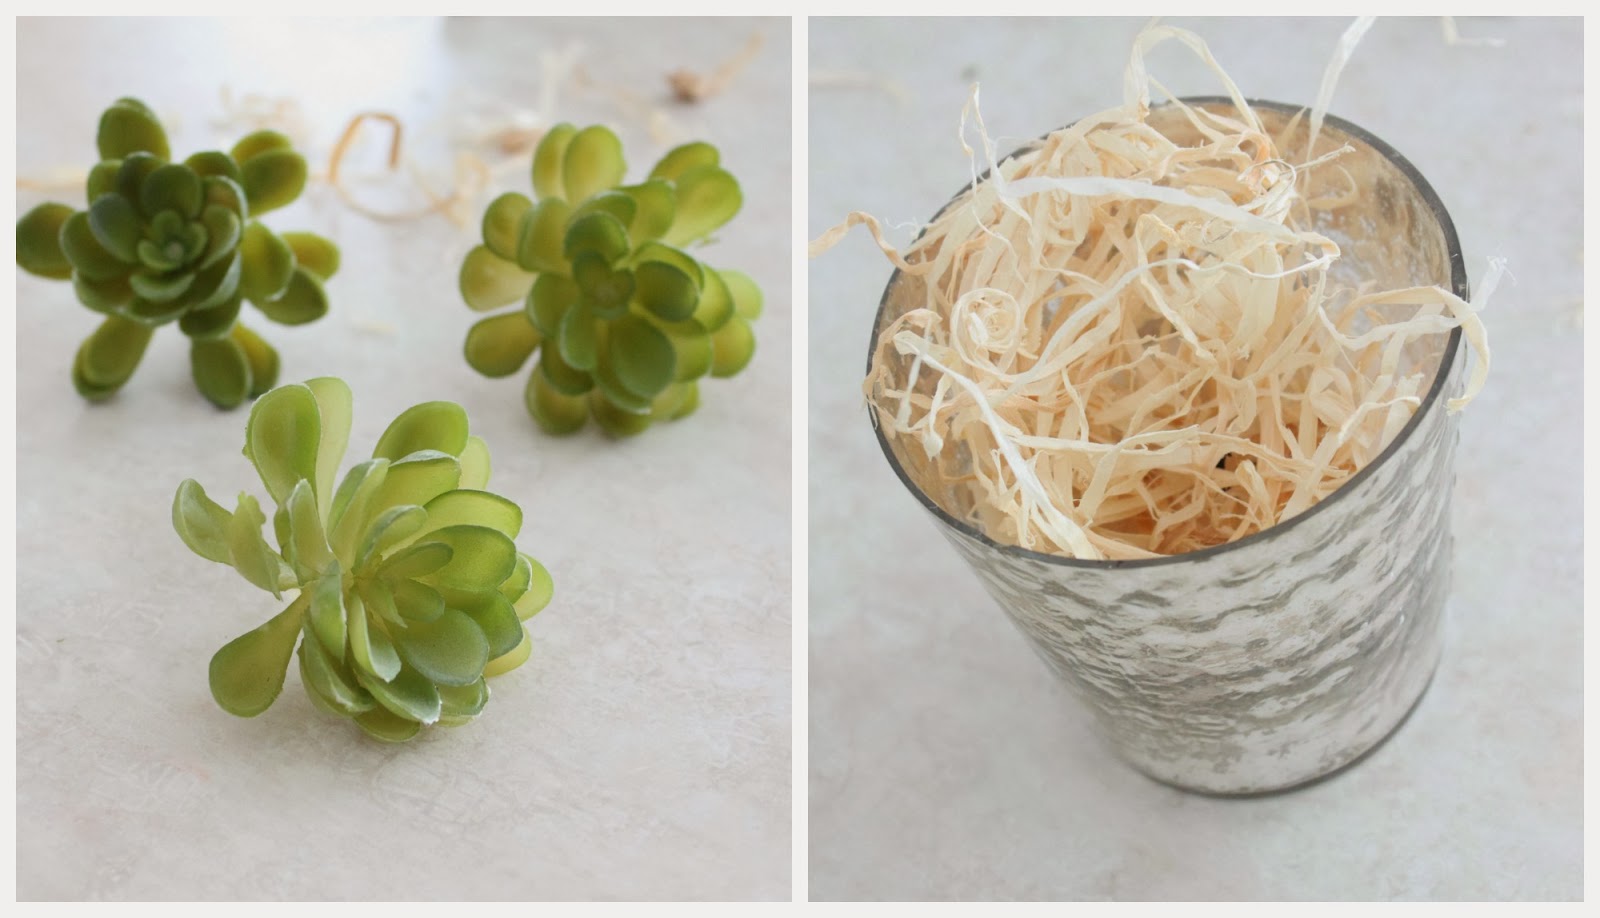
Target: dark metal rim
point(1458, 284)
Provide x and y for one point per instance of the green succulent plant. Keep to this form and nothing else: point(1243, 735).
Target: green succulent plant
point(165, 242)
point(410, 590)
point(625, 322)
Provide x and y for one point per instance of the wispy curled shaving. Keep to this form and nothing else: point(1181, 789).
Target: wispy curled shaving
point(1130, 347)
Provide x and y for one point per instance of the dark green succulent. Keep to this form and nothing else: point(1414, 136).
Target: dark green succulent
point(411, 588)
point(625, 322)
point(168, 242)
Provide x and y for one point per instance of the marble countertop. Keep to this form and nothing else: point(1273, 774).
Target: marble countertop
point(946, 761)
point(645, 749)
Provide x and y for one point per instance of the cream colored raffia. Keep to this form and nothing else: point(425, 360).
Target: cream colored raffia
point(1133, 348)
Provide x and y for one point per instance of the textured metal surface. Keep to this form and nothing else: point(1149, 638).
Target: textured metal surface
point(1269, 662)
point(1261, 668)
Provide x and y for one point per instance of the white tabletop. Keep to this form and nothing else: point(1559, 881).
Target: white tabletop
point(946, 761)
point(644, 750)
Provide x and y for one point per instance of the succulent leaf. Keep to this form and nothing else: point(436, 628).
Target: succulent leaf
point(501, 665)
point(415, 480)
point(268, 264)
point(282, 438)
point(262, 357)
point(682, 158)
point(247, 673)
point(499, 623)
point(39, 241)
point(115, 225)
point(327, 608)
point(370, 648)
point(129, 126)
point(482, 558)
point(110, 355)
point(252, 557)
point(707, 198)
point(547, 160)
point(301, 302)
point(539, 592)
point(502, 224)
point(716, 304)
point(654, 207)
point(597, 232)
point(552, 295)
point(554, 411)
point(216, 322)
point(201, 522)
point(450, 650)
point(417, 602)
point(613, 419)
point(334, 417)
point(83, 250)
point(330, 681)
point(616, 203)
point(540, 231)
point(409, 694)
point(463, 700)
point(732, 347)
point(223, 234)
point(385, 725)
point(308, 544)
point(562, 377)
point(578, 341)
point(109, 296)
point(221, 371)
point(500, 345)
point(440, 426)
point(252, 145)
point(214, 162)
point(415, 561)
point(475, 465)
point(488, 281)
point(393, 526)
point(171, 187)
point(102, 179)
point(313, 253)
point(272, 179)
point(641, 356)
point(666, 290)
point(463, 507)
point(592, 162)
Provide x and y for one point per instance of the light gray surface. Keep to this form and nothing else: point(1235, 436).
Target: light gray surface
point(644, 750)
point(946, 762)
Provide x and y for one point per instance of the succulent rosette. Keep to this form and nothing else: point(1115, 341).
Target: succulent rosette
point(409, 590)
point(164, 242)
point(624, 321)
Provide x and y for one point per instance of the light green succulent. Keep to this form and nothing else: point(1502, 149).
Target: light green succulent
point(410, 590)
point(625, 322)
point(168, 242)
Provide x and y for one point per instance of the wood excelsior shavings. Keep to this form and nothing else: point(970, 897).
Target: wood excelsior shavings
point(1129, 347)
point(691, 88)
point(472, 175)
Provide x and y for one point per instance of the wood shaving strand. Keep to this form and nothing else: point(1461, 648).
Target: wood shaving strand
point(1131, 348)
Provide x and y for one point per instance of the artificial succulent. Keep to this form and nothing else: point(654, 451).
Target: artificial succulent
point(410, 588)
point(167, 241)
point(625, 322)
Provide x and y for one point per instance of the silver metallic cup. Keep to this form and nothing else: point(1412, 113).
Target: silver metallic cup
point(1275, 660)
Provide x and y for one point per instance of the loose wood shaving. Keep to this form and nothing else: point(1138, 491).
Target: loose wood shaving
point(1131, 348)
point(690, 87)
